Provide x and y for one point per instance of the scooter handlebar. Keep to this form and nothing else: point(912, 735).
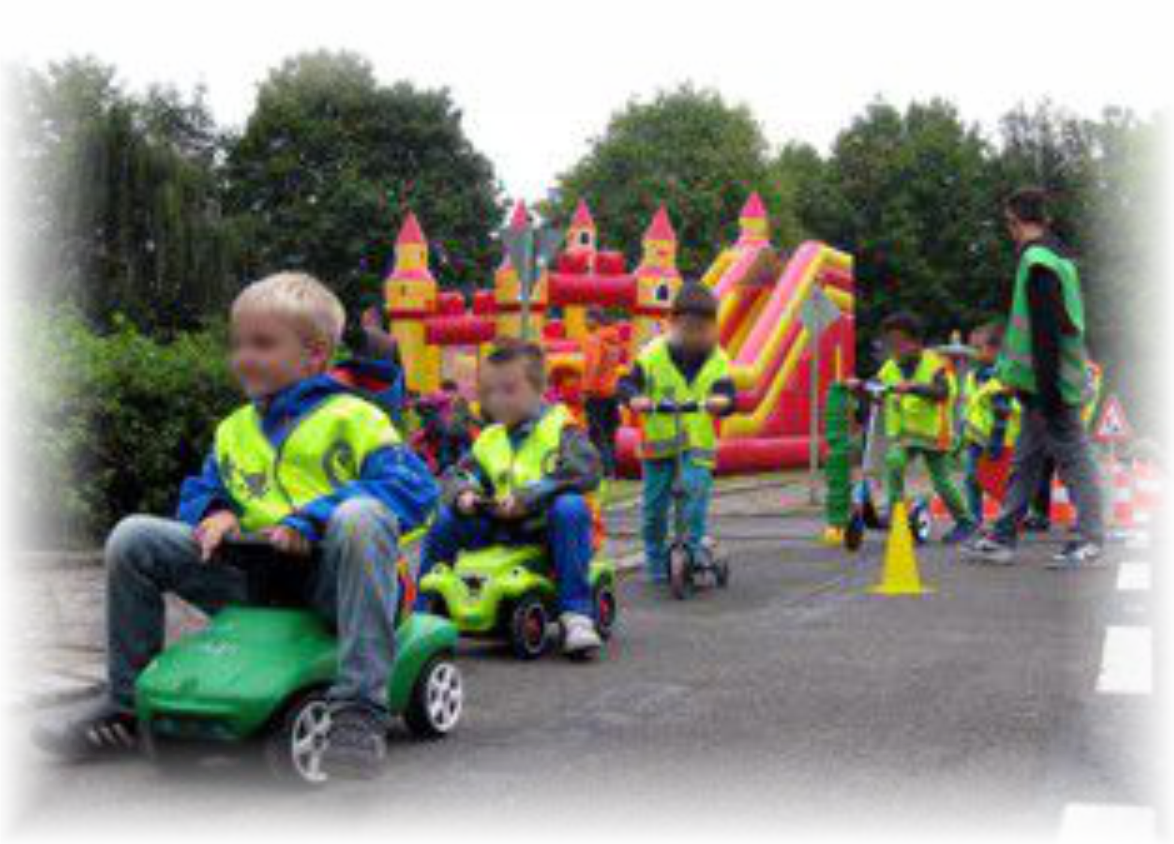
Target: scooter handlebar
point(669, 406)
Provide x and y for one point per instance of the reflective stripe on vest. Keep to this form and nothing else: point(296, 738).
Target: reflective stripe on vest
point(323, 451)
point(915, 420)
point(663, 381)
point(509, 469)
point(1016, 366)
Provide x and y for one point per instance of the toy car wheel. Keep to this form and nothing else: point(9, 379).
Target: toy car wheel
point(437, 699)
point(606, 610)
point(920, 522)
point(680, 572)
point(854, 532)
point(294, 751)
point(167, 754)
point(721, 572)
point(528, 624)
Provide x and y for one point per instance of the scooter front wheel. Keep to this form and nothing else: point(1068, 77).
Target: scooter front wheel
point(681, 572)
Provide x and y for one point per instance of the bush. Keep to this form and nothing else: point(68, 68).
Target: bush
point(114, 421)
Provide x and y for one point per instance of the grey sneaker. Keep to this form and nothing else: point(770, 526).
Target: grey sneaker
point(987, 549)
point(1078, 554)
point(580, 638)
point(91, 728)
point(356, 745)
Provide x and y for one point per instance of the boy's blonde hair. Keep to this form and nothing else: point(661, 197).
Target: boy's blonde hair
point(306, 302)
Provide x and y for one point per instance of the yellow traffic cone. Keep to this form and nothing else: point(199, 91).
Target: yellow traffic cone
point(899, 575)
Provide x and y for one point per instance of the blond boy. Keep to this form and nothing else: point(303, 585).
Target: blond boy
point(323, 475)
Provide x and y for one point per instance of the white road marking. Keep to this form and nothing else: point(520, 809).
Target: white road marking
point(1127, 662)
point(1100, 822)
point(1140, 539)
point(1133, 577)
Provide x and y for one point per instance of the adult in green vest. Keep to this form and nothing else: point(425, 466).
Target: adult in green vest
point(919, 418)
point(1045, 362)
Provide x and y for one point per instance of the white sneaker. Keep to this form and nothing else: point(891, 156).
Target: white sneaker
point(580, 638)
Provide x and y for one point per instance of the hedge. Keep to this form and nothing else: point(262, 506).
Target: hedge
point(110, 424)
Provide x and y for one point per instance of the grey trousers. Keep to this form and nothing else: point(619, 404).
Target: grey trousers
point(1062, 438)
point(355, 588)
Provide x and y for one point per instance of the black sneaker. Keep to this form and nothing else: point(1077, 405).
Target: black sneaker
point(1035, 523)
point(356, 744)
point(90, 729)
point(1078, 554)
point(987, 549)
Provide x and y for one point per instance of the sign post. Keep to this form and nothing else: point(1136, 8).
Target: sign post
point(530, 251)
point(818, 314)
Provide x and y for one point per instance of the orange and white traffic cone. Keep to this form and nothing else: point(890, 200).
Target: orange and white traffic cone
point(1147, 493)
point(1122, 512)
point(1063, 511)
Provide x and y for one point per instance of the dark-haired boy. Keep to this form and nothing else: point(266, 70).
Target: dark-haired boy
point(687, 365)
point(525, 479)
point(919, 418)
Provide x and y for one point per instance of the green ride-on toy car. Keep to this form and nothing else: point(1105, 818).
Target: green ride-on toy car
point(261, 673)
point(509, 592)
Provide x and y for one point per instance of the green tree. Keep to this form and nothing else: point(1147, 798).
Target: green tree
point(330, 161)
point(122, 197)
point(909, 194)
point(689, 150)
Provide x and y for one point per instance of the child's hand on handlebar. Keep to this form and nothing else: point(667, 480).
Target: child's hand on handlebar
point(468, 502)
point(509, 507)
point(289, 540)
point(717, 404)
point(641, 404)
point(212, 531)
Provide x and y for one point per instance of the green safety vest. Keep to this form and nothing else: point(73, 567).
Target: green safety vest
point(323, 451)
point(665, 382)
point(980, 411)
point(511, 469)
point(1016, 366)
point(915, 420)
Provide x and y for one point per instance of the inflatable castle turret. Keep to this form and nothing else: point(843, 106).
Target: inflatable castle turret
point(410, 293)
point(753, 224)
point(657, 279)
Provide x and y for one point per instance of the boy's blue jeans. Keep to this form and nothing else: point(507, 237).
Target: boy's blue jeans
point(658, 505)
point(355, 588)
point(567, 535)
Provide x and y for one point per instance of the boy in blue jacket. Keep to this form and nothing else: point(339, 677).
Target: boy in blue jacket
point(310, 465)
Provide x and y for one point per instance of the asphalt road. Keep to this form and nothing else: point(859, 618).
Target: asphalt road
point(793, 697)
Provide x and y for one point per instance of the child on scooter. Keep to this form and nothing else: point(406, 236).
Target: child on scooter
point(918, 417)
point(687, 365)
point(991, 412)
point(525, 480)
point(311, 466)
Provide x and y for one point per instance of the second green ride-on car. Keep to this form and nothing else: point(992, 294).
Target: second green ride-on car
point(508, 591)
point(260, 674)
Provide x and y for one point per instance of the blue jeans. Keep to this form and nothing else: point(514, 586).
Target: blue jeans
point(567, 535)
point(658, 506)
point(354, 587)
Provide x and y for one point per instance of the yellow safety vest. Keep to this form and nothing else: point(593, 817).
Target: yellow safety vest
point(325, 450)
point(980, 411)
point(510, 469)
point(665, 382)
point(918, 421)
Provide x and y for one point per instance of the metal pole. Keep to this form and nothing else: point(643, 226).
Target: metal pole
point(813, 467)
point(526, 277)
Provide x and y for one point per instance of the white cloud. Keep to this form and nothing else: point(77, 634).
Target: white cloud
point(538, 79)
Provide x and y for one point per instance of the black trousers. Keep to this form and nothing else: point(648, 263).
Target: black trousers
point(603, 421)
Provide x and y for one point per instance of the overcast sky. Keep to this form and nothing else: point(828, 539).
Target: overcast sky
point(537, 80)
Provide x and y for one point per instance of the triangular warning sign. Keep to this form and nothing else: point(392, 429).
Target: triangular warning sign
point(1113, 427)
